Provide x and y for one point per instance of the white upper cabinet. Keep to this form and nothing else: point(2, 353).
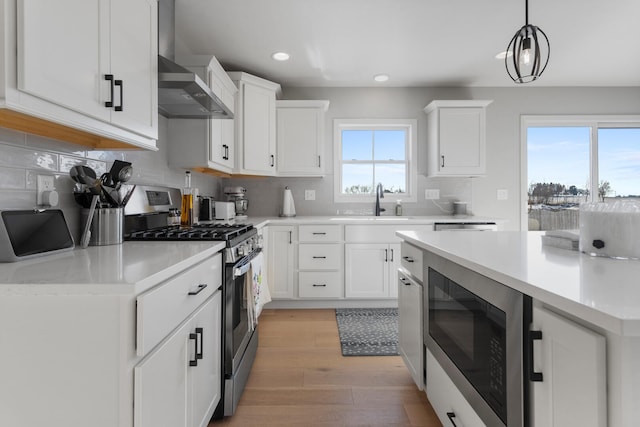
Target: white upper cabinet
point(456, 138)
point(87, 65)
point(300, 137)
point(206, 145)
point(255, 124)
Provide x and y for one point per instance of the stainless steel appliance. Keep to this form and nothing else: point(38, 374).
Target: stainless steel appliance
point(474, 328)
point(237, 195)
point(146, 217)
point(207, 209)
point(465, 226)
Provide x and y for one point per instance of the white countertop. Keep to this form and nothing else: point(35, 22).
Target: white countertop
point(601, 291)
point(128, 268)
point(367, 220)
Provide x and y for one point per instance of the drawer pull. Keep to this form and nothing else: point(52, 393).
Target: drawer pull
point(405, 281)
point(319, 234)
point(407, 258)
point(201, 288)
point(319, 257)
point(194, 361)
point(109, 78)
point(315, 285)
point(200, 354)
point(451, 416)
point(391, 255)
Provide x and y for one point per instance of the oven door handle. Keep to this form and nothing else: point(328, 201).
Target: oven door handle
point(243, 266)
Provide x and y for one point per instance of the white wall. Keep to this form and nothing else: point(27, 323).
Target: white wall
point(503, 143)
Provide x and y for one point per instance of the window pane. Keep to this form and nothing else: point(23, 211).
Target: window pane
point(619, 162)
point(357, 179)
point(389, 144)
point(392, 176)
point(558, 175)
point(357, 145)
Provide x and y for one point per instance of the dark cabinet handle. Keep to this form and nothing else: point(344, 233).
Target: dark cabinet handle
point(290, 237)
point(201, 287)
point(121, 106)
point(109, 78)
point(200, 354)
point(451, 416)
point(319, 234)
point(533, 376)
point(319, 162)
point(386, 255)
point(324, 285)
point(273, 160)
point(319, 257)
point(405, 281)
point(408, 259)
point(442, 164)
point(391, 255)
point(194, 361)
point(225, 152)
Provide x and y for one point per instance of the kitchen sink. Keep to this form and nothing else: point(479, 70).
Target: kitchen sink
point(370, 218)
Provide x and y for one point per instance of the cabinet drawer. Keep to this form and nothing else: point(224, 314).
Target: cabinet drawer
point(319, 257)
point(447, 399)
point(379, 233)
point(412, 260)
point(320, 284)
point(161, 309)
point(320, 233)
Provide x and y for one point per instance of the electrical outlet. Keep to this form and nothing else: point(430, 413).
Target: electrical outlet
point(502, 194)
point(432, 194)
point(309, 194)
point(43, 183)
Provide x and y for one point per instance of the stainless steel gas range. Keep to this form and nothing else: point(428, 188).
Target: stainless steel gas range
point(147, 219)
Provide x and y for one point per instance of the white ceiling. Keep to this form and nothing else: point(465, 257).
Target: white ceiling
point(418, 43)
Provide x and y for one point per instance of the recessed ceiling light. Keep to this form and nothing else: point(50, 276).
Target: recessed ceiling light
point(381, 77)
point(280, 56)
point(504, 54)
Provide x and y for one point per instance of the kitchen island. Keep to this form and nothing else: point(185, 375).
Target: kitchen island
point(599, 295)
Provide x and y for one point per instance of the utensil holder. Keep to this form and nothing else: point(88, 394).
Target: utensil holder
point(106, 227)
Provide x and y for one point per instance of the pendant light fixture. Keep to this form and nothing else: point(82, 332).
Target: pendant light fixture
point(530, 50)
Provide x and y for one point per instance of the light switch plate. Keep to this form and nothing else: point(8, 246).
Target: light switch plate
point(309, 194)
point(432, 194)
point(502, 194)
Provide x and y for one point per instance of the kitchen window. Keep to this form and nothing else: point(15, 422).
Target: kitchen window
point(567, 160)
point(368, 152)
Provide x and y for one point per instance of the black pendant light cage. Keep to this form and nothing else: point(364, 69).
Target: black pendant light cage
point(531, 38)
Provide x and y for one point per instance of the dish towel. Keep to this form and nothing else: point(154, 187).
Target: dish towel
point(257, 290)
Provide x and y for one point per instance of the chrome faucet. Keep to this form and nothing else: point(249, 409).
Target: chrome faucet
point(379, 195)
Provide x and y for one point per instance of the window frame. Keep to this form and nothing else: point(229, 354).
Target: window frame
point(593, 122)
point(410, 162)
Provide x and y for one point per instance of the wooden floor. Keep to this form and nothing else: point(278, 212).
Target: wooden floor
point(300, 378)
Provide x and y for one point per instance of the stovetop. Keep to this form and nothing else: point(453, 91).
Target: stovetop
point(232, 234)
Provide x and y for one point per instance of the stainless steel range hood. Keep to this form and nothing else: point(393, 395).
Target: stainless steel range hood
point(182, 94)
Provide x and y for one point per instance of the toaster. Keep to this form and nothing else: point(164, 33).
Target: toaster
point(225, 211)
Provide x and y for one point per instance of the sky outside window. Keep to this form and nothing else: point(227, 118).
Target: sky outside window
point(619, 160)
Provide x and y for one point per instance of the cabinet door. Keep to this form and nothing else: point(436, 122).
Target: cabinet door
point(410, 327)
point(62, 53)
point(258, 129)
point(281, 261)
point(160, 382)
point(572, 359)
point(367, 270)
point(134, 61)
point(299, 141)
point(222, 134)
point(205, 379)
point(462, 141)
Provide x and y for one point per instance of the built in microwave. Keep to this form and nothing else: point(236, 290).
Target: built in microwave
point(474, 329)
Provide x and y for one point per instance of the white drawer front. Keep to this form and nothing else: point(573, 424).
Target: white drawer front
point(412, 260)
point(379, 233)
point(162, 308)
point(319, 257)
point(316, 284)
point(320, 233)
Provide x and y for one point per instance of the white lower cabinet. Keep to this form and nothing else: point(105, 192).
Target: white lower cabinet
point(281, 260)
point(319, 284)
point(370, 270)
point(452, 408)
point(410, 327)
point(178, 383)
point(572, 360)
